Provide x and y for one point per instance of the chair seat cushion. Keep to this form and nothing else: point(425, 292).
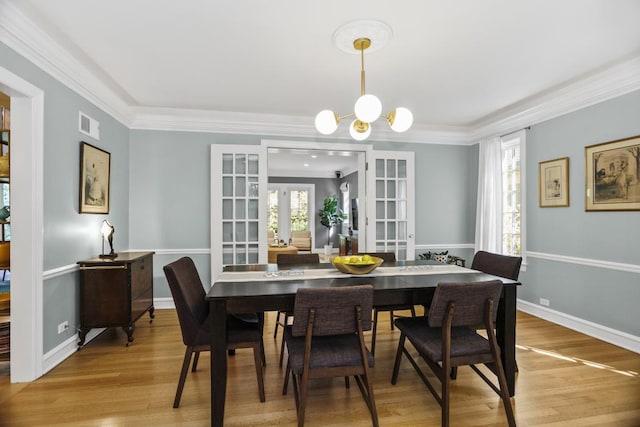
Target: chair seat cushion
point(326, 351)
point(428, 340)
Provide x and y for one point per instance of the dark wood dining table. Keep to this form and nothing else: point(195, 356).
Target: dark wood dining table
point(411, 282)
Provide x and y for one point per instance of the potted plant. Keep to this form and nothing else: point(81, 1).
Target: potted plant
point(331, 215)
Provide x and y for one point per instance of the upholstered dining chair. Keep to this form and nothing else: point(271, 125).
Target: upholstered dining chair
point(499, 265)
point(326, 340)
point(193, 316)
point(283, 317)
point(301, 240)
point(5, 258)
point(387, 257)
point(447, 338)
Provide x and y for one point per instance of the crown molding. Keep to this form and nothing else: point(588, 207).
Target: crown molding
point(592, 89)
point(23, 35)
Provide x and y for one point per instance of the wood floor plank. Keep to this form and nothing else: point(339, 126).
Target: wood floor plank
point(565, 379)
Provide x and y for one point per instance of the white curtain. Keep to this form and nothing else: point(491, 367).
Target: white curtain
point(489, 206)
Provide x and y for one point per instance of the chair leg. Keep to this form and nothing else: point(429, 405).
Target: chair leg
point(275, 331)
point(396, 364)
point(257, 358)
point(373, 332)
point(304, 384)
point(183, 375)
point(285, 385)
point(196, 357)
point(445, 402)
point(391, 320)
point(281, 351)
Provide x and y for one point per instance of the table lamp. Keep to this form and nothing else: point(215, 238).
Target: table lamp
point(107, 234)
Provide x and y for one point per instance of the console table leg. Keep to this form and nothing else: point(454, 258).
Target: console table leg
point(151, 314)
point(129, 330)
point(82, 335)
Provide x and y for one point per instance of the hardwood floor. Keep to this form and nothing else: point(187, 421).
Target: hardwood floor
point(565, 379)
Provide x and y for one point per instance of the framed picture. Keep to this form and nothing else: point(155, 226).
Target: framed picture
point(613, 175)
point(95, 170)
point(553, 183)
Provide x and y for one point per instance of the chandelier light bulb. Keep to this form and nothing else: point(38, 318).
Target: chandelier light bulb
point(368, 108)
point(359, 130)
point(326, 122)
point(400, 119)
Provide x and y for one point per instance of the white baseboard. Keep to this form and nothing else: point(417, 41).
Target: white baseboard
point(56, 356)
point(604, 333)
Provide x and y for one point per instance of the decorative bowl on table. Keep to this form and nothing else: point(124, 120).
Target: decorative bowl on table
point(357, 264)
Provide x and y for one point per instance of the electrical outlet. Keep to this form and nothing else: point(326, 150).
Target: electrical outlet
point(545, 302)
point(63, 326)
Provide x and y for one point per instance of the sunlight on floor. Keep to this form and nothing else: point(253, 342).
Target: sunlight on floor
point(577, 360)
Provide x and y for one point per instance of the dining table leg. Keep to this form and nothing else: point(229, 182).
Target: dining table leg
point(506, 334)
point(218, 360)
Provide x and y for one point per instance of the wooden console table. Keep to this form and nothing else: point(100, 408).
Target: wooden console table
point(115, 292)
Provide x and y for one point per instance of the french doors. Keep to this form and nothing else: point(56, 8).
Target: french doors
point(239, 189)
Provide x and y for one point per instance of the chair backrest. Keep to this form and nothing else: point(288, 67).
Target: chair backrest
point(188, 296)
point(297, 259)
point(335, 309)
point(470, 300)
point(386, 256)
point(498, 265)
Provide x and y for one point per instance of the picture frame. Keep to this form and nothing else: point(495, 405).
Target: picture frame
point(553, 183)
point(95, 171)
point(613, 175)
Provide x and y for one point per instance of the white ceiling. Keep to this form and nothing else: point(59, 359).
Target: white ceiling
point(455, 64)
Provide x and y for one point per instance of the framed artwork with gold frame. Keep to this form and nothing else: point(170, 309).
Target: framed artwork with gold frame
point(613, 175)
point(553, 183)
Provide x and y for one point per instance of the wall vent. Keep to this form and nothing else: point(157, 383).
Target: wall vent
point(89, 126)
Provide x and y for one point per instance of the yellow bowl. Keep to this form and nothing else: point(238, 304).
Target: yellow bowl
point(348, 268)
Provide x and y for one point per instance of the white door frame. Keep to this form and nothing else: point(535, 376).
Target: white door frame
point(27, 219)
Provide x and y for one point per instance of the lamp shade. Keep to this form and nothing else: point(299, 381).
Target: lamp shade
point(365, 130)
point(326, 122)
point(401, 119)
point(368, 108)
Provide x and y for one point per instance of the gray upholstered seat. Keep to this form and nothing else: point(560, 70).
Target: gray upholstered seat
point(447, 338)
point(326, 340)
point(195, 324)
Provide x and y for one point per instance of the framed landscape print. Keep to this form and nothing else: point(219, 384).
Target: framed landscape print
point(95, 169)
point(613, 175)
point(553, 183)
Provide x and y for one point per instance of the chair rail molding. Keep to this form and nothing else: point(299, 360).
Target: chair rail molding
point(598, 263)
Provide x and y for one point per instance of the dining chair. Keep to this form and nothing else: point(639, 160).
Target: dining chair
point(499, 265)
point(387, 257)
point(193, 316)
point(301, 240)
point(447, 337)
point(326, 340)
point(290, 259)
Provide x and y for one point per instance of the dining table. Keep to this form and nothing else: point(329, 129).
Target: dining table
point(255, 288)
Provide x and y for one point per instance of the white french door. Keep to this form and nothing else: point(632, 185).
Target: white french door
point(391, 203)
point(294, 207)
point(238, 201)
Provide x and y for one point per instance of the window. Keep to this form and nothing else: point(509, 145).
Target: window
point(290, 207)
point(512, 194)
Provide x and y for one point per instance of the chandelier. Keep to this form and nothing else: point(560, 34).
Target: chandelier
point(367, 109)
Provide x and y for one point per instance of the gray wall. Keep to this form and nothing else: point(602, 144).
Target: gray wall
point(69, 236)
point(606, 296)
